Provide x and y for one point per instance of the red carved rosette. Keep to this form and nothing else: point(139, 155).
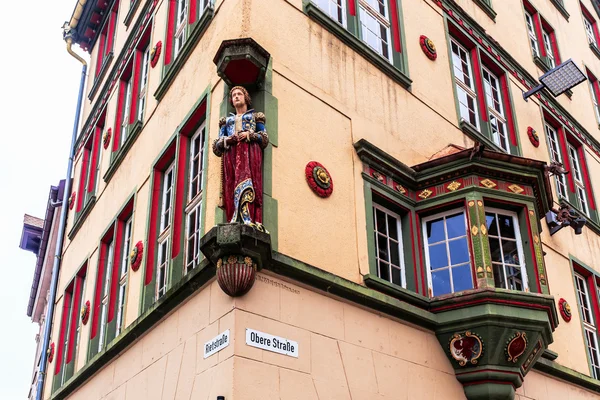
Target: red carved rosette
point(516, 346)
point(565, 310)
point(533, 136)
point(155, 54)
point(466, 348)
point(428, 47)
point(72, 200)
point(319, 179)
point(51, 352)
point(135, 257)
point(106, 138)
point(85, 312)
point(236, 274)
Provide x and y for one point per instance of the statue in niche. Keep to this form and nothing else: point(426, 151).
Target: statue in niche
point(242, 138)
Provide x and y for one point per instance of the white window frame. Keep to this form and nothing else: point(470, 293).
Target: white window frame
point(164, 238)
point(555, 155)
point(595, 99)
point(123, 274)
point(522, 265)
point(491, 83)
point(126, 109)
point(578, 178)
point(390, 242)
point(332, 8)
point(106, 294)
point(468, 90)
point(589, 31)
point(181, 18)
point(194, 208)
point(143, 84)
point(533, 40)
point(589, 327)
point(426, 244)
point(549, 50)
point(367, 9)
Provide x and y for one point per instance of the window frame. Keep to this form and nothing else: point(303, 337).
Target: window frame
point(590, 28)
point(594, 86)
point(545, 53)
point(106, 41)
point(376, 206)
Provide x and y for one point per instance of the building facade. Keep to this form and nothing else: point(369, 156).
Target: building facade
point(430, 234)
point(39, 236)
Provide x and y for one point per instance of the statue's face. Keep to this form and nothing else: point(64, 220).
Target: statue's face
point(237, 98)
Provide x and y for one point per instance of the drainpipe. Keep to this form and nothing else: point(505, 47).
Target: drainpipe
point(68, 36)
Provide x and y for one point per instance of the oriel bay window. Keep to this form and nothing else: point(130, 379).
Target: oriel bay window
point(574, 187)
point(108, 310)
point(437, 235)
point(70, 329)
point(371, 27)
point(482, 94)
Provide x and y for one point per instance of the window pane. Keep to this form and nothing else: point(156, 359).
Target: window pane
point(459, 251)
point(384, 270)
point(511, 253)
point(514, 278)
point(382, 245)
point(438, 256)
point(396, 276)
point(490, 222)
point(456, 225)
point(393, 227)
point(435, 231)
point(395, 253)
point(441, 282)
point(462, 278)
point(507, 227)
point(381, 225)
point(495, 249)
point(499, 281)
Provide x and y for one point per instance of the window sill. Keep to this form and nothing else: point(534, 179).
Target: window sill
point(477, 136)
point(486, 8)
point(561, 8)
point(595, 50)
point(134, 131)
point(398, 292)
point(170, 71)
point(100, 77)
point(357, 45)
point(132, 9)
point(81, 216)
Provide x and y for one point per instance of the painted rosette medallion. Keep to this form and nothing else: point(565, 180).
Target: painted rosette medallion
point(236, 274)
point(565, 310)
point(85, 313)
point(533, 136)
point(428, 47)
point(319, 179)
point(466, 348)
point(136, 255)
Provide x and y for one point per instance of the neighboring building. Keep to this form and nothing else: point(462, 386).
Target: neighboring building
point(39, 236)
point(423, 266)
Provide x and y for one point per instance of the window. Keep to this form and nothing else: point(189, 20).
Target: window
point(482, 95)
point(111, 281)
point(143, 83)
point(555, 155)
point(388, 245)
point(506, 250)
point(182, 14)
point(375, 26)
point(180, 25)
point(70, 328)
point(595, 93)
point(90, 162)
point(106, 40)
point(194, 207)
point(465, 84)
point(591, 29)
point(128, 87)
point(447, 253)
point(584, 297)
point(578, 178)
point(542, 39)
point(165, 230)
point(336, 9)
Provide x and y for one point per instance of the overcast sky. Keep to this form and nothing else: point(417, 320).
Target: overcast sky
point(38, 86)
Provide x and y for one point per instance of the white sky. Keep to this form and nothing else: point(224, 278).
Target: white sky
point(39, 81)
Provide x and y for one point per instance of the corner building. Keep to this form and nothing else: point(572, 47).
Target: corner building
point(421, 266)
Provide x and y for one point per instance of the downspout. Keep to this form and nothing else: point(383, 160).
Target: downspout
point(69, 30)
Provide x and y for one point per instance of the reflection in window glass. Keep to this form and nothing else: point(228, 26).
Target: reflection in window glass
point(447, 253)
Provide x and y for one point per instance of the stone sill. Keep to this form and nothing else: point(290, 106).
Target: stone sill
point(595, 50)
point(105, 65)
point(80, 218)
point(132, 9)
point(477, 136)
point(486, 8)
point(357, 45)
point(134, 131)
point(561, 8)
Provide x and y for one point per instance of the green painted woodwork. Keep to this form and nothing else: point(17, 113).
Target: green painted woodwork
point(81, 216)
point(106, 62)
point(556, 370)
point(477, 232)
point(397, 70)
point(116, 158)
point(194, 33)
point(561, 8)
point(486, 6)
point(132, 9)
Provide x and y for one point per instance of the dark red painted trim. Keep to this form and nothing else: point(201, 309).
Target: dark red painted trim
point(587, 15)
point(395, 25)
point(119, 116)
point(114, 279)
point(74, 318)
point(508, 110)
point(190, 126)
point(594, 299)
point(135, 90)
point(534, 256)
point(100, 57)
point(479, 84)
point(566, 158)
point(586, 177)
point(170, 32)
point(193, 11)
point(179, 205)
point(82, 176)
point(352, 7)
point(152, 229)
point(112, 28)
point(94, 160)
point(538, 33)
point(63, 328)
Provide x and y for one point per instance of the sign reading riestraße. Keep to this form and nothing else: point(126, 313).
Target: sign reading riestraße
point(216, 344)
point(272, 343)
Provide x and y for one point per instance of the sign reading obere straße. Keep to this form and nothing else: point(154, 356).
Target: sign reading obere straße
point(272, 343)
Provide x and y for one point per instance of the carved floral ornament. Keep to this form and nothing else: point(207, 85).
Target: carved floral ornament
point(466, 348)
point(106, 138)
point(85, 313)
point(136, 255)
point(428, 47)
point(318, 179)
point(155, 54)
point(516, 346)
point(51, 352)
point(533, 136)
point(72, 200)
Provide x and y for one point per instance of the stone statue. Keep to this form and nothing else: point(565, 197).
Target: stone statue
point(242, 138)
